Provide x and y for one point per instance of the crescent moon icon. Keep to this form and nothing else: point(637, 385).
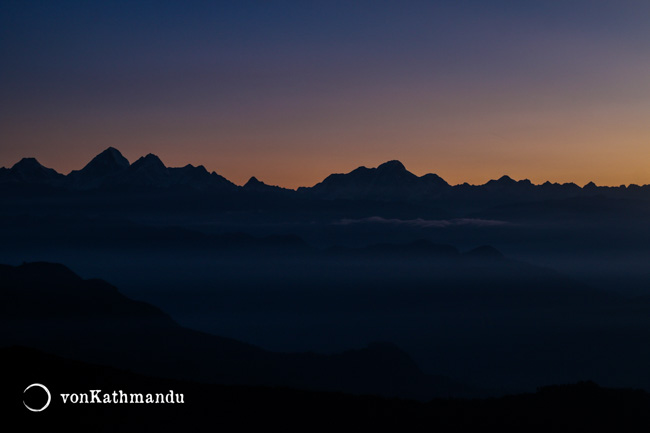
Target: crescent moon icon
point(49, 397)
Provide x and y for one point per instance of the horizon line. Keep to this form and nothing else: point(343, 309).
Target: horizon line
point(525, 180)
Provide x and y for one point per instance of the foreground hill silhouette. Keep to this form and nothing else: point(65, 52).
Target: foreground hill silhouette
point(47, 306)
point(476, 316)
point(580, 407)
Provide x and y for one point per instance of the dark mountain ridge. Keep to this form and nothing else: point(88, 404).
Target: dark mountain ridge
point(30, 171)
point(390, 181)
point(108, 163)
point(48, 307)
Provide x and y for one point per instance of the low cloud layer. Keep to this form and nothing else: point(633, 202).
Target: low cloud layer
point(419, 222)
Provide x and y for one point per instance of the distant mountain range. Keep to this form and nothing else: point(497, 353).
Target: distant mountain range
point(390, 181)
point(374, 254)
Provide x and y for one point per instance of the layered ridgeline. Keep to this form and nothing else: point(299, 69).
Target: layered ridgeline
point(48, 307)
point(378, 254)
point(111, 169)
point(390, 181)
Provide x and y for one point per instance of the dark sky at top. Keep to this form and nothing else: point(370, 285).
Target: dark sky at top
point(292, 91)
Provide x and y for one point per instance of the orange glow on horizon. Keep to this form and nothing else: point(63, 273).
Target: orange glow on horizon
point(452, 168)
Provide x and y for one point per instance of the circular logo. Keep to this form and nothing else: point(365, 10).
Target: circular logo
point(47, 391)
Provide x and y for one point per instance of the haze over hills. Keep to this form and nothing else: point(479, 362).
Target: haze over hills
point(366, 206)
point(476, 316)
point(445, 306)
point(539, 283)
point(91, 321)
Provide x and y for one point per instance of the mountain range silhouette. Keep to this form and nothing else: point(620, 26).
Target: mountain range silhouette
point(506, 285)
point(390, 181)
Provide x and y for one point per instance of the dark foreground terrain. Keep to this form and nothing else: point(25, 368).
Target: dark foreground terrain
point(106, 342)
point(579, 407)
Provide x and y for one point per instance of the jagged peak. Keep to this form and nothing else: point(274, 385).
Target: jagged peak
point(502, 181)
point(151, 157)
point(30, 169)
point(149, 160)
point(190, 167)
point(109, 156)
point(253, 181)
point(112, 151)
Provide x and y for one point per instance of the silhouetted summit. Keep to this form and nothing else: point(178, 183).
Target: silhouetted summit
point(190, 175)
point(506, 183)
point(390, 181)
point(29, 170)
point(434, 180)
point(150, 172)
point(503, 180)
point(256, 186)
point(148, 162)
point(95, 174)
point(393, 166)
point(107, 162)
point(253, 182)
point(146, 171)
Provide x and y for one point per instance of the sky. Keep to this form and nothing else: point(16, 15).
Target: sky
point(292, 91)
